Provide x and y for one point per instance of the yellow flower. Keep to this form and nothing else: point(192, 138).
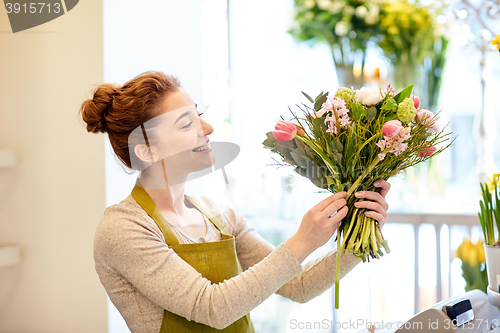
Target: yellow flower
point(480, 251)
point(393, 30)
point(463, 249)
point(496, 41)
point(493, 183)
point(472, 254)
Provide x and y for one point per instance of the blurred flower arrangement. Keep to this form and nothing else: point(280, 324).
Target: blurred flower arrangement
point(473, 265)
point(345, 25)
point(410, 34)
point(350, 139)
point(406, 32)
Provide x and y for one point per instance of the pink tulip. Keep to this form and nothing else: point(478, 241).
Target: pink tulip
point(416, 101)
point(428, 119)
point(286, 131)
point(392, 128)
point(428, 151)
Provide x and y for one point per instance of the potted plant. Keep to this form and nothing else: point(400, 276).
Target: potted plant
point(489, 216)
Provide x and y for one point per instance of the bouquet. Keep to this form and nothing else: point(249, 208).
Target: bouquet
point(350, 139)
point(473, 265)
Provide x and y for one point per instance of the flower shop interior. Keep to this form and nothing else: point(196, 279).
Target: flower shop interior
point(246, 64)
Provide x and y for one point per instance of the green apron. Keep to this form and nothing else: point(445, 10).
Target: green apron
point(216, 261)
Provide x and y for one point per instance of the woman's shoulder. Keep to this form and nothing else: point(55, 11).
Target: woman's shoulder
point(120, 221)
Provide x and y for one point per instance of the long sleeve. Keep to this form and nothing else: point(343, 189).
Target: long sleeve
point(316, 277)
point(135, 265)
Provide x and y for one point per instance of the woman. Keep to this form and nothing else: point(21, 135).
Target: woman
point(174, 263)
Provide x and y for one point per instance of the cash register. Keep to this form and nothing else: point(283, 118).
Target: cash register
point(472, 312)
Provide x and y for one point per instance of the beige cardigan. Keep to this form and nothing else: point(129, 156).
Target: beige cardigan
point(142, 276)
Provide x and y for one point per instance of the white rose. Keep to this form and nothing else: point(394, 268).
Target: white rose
point(369, 96)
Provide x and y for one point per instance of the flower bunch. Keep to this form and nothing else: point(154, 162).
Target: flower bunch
point(490, 209)
point(408, 31)
point(336, 114)
point(348, 140)
point(332, 20)
point(473, 265)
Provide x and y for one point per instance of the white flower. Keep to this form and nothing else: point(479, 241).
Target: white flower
point(349, 10)
point(361, 11)
point(324, 4)
point(335, 7)
point(373, 13)
point(309, 3)
point(341, 28)
point(369, 96)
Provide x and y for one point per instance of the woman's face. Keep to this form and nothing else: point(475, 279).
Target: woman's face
point(182, 136)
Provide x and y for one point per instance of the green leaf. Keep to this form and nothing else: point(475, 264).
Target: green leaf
point(320, 94)
point(319, 126)
point(406, 92)
point(308, 97)
point(300, 158)
point(390, 105)
point(338, 145)
point(285, 148)
point(269, 142)
point(357, 110)
point(319, 102)
point(372, 113)
point(337, 157)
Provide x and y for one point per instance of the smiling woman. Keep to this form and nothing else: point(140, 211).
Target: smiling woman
point(177, 263)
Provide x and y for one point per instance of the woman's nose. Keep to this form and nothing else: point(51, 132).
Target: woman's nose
point(206, 128)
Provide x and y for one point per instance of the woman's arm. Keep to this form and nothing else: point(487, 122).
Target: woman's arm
point(318, 275)
point(131, 245)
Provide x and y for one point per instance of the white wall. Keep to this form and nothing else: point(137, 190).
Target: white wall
point(51, 203)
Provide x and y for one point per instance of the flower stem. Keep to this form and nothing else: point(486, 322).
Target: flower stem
point(362, 177)
point(337, 270)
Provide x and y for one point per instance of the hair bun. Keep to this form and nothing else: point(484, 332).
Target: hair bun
point(94, 111)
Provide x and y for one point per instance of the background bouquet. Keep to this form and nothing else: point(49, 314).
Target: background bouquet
point(350, 139)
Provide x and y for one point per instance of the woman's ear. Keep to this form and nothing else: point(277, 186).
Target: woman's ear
point(145, 154)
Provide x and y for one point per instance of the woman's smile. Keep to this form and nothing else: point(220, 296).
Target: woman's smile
point(203, 149)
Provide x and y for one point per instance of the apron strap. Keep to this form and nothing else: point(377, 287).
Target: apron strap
point(144, 200)
point(215, 220)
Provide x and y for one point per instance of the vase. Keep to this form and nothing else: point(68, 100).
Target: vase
point(345, 75)
point(492, 254)
point(405, 74)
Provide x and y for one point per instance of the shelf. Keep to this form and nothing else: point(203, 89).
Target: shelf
point(8, 158)
point(9, 255)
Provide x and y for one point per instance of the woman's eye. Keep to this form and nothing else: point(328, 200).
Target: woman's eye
point(187, 126)
point(200, 114)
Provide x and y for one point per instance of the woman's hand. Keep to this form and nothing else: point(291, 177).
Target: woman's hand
point(375, 204)
point(318, 225)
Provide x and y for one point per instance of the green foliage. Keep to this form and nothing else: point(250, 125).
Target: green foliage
point(489, 213)
point(405, 93)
